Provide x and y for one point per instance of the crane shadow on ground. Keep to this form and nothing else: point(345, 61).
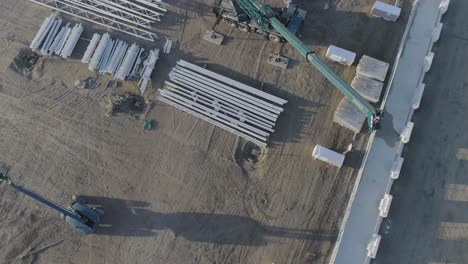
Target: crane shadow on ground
point(133, 218)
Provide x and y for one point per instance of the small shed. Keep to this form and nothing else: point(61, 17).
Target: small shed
point(385, 11)
point(340, 55)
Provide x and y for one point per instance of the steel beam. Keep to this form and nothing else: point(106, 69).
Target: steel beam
point(261, 103)
point(158, 4)
point(232, 82)
point(223, 96)
point(87, 15)
point(215, 115)
point(214, 122)
point(111, 11)
point(135, 8)
point(228, 109)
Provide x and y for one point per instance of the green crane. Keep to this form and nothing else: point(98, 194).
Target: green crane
point(264, 19)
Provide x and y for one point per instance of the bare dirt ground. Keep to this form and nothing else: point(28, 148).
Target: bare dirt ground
point(428, 217)
point(181, 193)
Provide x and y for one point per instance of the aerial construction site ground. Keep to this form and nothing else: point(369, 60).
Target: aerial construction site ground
point(183, 192)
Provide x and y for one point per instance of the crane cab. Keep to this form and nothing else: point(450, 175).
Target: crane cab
point(89, 217)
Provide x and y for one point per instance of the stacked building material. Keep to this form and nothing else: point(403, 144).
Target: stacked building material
point(372, 68)
point(91, 48)
point(133, 17)
point(226, 103)
point(148, 69)
point(115, 57)
point(368, 88)
point(167, 47)
point(72, 39)
point(50, 39)
point(349, 115)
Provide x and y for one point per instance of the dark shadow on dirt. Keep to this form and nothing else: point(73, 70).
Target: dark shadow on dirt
point(133, 218)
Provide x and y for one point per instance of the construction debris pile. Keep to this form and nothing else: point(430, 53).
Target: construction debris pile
point(133, 17)
point(128, 103)
point(49, 40)
point(115, 57)
point(226, 103)
point(368, 82)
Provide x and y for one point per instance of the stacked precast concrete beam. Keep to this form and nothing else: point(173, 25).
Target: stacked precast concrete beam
point(133, 17)
point(50, 39)
point(226, 103)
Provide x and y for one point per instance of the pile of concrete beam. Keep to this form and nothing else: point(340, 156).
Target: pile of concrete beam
point(372, 68)
point(133, 17)
point(347, 114)
point(117, 58)
point(226, 103)
point(368, 82)
point(368, 88)
point(51, 39)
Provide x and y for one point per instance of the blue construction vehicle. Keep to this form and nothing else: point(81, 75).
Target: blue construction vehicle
point(78, 215)
point(285, 25)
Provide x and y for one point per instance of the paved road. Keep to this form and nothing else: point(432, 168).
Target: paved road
point(428, 220)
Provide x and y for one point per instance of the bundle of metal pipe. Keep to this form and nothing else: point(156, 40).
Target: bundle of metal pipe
point(114, 57)
point(148, 69)
point(129, 16)
point(128, 62)
point(97, 55)
point(91, 48)
point(52, 39)
point(226, 103)
point(70, 44)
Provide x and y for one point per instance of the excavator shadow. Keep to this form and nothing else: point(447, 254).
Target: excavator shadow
point(134, 218)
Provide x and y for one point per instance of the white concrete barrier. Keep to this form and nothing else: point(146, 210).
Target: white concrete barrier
point(396, 168)
point(428, 61)
point(418, 96)
point(384, 205)
point(436, 32)
point(373, 246)
point(443, 7)
point(406, 134)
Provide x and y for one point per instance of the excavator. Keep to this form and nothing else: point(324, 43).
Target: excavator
point(285, 26)
point(78, 215)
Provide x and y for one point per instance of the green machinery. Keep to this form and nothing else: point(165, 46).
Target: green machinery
point(252, 15)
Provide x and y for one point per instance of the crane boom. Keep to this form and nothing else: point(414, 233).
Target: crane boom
point(78, 215)
point(43, 200)
point(265, 18)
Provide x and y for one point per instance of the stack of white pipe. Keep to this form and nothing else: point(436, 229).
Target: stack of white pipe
point(97, 55)
point(42, 33)
point(91, 48)
point(61, 37)
point(167, 46)
point(226, 103)
point(148, 69)
point(51, 39)
point(70, 44)
point(128, 62)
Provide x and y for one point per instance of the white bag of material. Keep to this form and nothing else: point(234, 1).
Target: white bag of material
point(329, 156)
